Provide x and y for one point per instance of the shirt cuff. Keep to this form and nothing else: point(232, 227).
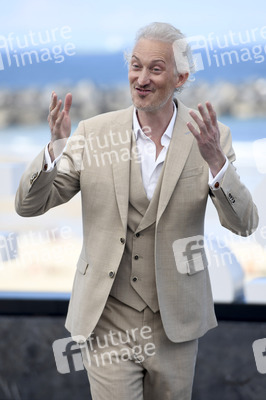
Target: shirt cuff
point(215, 182)
point(48, 163)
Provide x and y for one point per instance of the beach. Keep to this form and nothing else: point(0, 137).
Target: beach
point(40, 253)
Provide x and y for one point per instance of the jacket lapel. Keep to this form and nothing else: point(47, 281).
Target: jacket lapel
point(177, 155)
point(151, 212)
point(137, 194)
point(121, 130)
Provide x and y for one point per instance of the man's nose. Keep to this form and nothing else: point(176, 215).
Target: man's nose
point(144, 77)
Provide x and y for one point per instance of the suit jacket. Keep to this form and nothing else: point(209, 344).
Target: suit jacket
point(97, 162)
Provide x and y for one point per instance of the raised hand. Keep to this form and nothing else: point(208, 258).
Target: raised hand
point(60, 124)
point(208, 137)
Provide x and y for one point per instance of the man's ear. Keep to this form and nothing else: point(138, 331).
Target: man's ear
point(181, 79)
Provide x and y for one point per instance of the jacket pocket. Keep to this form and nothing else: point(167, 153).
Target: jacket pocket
point(82, 266)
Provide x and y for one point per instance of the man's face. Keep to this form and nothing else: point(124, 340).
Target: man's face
point(152, 75)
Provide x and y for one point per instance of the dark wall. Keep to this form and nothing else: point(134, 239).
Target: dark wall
point(27, 368)
point(225, 369)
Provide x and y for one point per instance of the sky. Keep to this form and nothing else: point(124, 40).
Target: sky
point(104, 25)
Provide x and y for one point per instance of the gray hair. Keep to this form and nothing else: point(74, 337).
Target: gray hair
point(165, 32)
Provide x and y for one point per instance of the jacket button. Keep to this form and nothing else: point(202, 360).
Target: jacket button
point(137, 234)
point(216, 185)
point(111, 274)
point(122, 240)
point(45, 167)
point(136, 257)
point(134, 279)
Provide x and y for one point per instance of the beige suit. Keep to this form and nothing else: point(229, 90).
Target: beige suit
point(97, 162)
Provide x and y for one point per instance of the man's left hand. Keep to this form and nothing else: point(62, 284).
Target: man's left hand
point(208, 137)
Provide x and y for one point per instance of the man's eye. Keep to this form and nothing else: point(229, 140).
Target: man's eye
point(135, 66)
point(156, 69)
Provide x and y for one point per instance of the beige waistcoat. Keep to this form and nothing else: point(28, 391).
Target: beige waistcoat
point(135, 283)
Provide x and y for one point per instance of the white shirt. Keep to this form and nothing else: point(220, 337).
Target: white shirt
point(150, 166)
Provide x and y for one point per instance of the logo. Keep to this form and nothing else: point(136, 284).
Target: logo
point(259, 350)
point(36, 47)
point(112, 347)
point(67, 355)
point(190, 255)
point(200, 49)
point(212, 51)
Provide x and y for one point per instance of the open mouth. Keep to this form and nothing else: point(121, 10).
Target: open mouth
point(142, 91)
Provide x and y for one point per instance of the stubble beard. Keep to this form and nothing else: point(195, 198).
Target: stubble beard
point(154, 107)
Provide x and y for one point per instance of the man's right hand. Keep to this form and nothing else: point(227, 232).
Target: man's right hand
point(60, 124)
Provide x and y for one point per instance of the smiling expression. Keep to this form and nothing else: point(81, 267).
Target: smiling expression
point(152, 75)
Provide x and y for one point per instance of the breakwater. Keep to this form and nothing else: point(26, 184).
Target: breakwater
point(30, 106)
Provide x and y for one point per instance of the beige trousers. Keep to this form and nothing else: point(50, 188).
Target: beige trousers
point(129, 357)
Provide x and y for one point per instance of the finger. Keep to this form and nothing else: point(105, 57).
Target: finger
point(205, 116)
point(193, 130)
point(212, 113)
point(199, 122)
point(59, 119)
point(54, 113)
point(53, 101)
point(68, 102)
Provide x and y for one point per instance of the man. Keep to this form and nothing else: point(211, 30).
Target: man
point(145, 174)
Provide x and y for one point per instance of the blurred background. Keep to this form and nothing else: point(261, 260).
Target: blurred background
point(78, 47)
